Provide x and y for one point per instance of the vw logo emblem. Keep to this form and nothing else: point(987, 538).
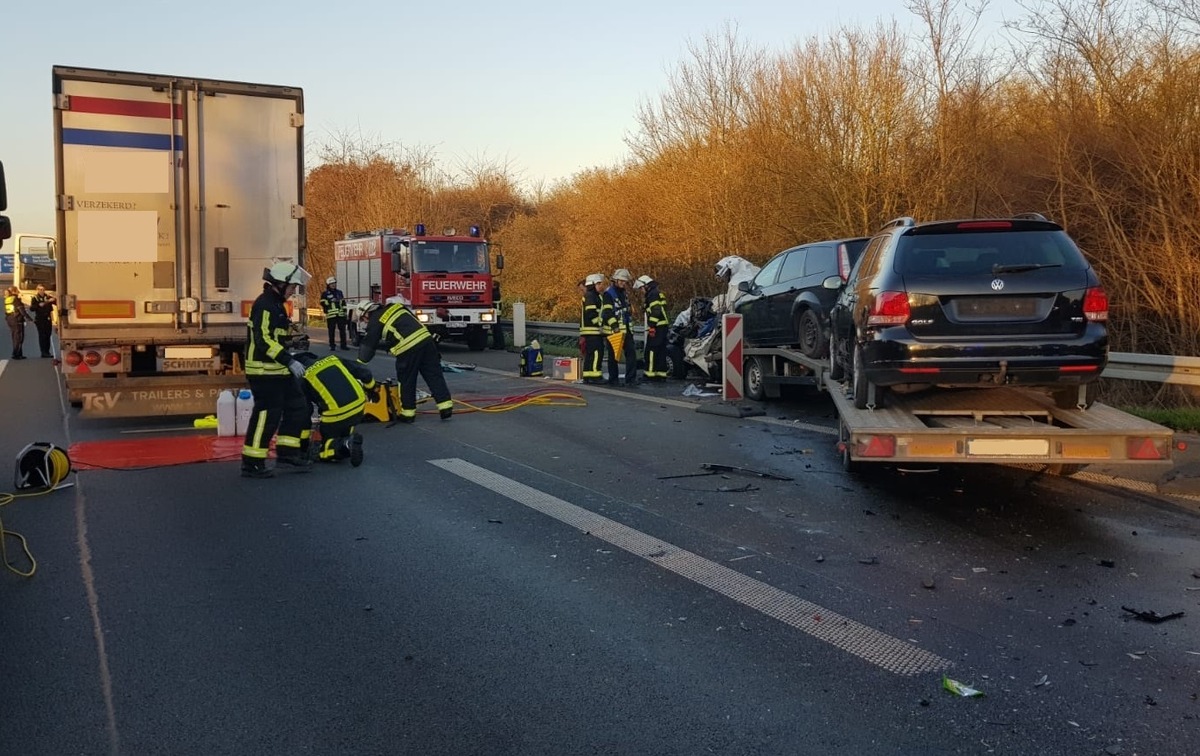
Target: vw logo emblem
point(997, 284)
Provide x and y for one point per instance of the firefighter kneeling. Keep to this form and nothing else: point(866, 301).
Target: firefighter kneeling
point(336, 387)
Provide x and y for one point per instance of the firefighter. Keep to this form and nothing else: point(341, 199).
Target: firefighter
point(591, 328)
point(16, 316)
point(336, 386)
point(333, 303)
point(42, 306)
point(394, 327)
point(616, 300)
point(274, 376)
point(657, 324)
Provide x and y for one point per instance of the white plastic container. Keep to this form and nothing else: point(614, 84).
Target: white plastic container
point(245, 408)
point(227, 413)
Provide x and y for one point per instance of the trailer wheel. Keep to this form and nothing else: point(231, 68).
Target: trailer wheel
point(753, 379)
point(812, 336)
point(849, 465)
point(477, 339)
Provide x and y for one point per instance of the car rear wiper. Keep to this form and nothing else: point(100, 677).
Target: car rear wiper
point(1022, 267)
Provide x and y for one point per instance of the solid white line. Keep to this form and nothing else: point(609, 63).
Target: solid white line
point(867, 643)
point(3, 364)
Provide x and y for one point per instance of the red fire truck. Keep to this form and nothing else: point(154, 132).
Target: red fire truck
point(446, 279)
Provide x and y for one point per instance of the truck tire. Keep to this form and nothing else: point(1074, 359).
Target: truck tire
point(1063, 470)
point(812, 339)
point(851, 466)
point(477, 339)
point(754, 379)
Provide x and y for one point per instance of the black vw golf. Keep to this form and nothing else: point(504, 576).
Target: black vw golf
point(985, 302)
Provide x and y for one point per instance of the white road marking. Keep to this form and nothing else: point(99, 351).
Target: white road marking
point(869, 644)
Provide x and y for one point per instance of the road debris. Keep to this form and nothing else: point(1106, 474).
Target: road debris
point(743, 470)
point(928, 584)
point(1044, 681)
point(496, 522)
point(1107, 563)
point(1152, 616)
point(957, 688)
point(869, 560)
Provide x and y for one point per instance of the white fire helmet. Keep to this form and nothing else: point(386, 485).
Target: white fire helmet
point(621, 274)
point(642, 281)
point(330, 281)
point(594, 279)
point(286, 273)
point(363, 309)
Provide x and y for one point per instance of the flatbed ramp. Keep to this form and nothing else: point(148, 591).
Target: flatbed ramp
point(997, 426)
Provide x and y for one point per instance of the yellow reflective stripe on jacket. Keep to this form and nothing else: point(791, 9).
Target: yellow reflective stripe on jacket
point(656, 311)
point(318, 376)
point(589, 319)
point(608, 317)
point(390, 320)
point(10, 305)
point(265, 364)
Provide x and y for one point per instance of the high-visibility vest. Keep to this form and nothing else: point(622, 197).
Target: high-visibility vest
point(339, 394)
point(268, 327)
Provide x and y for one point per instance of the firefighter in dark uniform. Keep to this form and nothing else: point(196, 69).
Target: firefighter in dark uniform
point(394, 327)
point(591, 328)
point(657, 324)
point(336, 386)
point(333, 303)
point(16, 316)
point(274, 376)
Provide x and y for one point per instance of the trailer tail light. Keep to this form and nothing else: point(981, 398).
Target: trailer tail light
point(889, 308)
point(112, 358)
point(91, 358)
point(72, 359)
point(876, 446)
point(1141, 447)
point(1095, 304)
point(920, 370)
point(1078, 368)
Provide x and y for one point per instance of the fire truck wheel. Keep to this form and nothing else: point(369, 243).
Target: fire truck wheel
point(477, 339)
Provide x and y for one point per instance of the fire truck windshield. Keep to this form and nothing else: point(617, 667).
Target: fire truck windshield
point(450, 257)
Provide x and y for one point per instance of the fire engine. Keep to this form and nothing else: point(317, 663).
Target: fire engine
point(446, 279)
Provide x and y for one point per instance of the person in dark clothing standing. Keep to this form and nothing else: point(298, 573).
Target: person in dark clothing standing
point(617, 298)
point(394, 327)
point(42, 307)
point(16, 316)
point(657, 324)
point(336, 386)
point(591, 328)
point(333, 303)
point(274, 376)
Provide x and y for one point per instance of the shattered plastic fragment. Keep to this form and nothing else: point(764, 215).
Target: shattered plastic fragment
point(954, 686)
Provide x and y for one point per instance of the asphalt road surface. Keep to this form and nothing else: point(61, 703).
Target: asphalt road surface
point(546, 580)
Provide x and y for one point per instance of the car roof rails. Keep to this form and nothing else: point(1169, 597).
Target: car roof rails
point(901, 221)
point(1030, 216)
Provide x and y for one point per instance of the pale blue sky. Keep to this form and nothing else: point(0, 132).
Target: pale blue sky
point(547, 87)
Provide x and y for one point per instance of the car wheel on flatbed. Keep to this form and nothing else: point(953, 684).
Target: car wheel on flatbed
point(753, 380)
point(812, 336)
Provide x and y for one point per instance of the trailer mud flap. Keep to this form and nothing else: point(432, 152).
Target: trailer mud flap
point(151, 395)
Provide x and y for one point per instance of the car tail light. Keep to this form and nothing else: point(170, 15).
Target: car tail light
point(91, 358)
point(1095, 304)
point(843, 262)
point(73, 358)
point(890, 308)
point(112, 358)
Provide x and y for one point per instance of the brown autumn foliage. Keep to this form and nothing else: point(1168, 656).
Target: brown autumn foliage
point(1089, 113)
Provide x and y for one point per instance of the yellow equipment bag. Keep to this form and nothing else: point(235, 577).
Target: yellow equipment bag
point(387, 407)
point(618, 344)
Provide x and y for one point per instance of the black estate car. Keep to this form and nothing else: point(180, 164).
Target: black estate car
point(1007, 301)
point(787, 303)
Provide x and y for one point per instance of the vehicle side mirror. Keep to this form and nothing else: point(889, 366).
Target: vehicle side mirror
point(833, 282)
point(397, 265)
point(3, 193)
point(5, 229)
point(52, 249)
point(746, 286)
point(499, 262)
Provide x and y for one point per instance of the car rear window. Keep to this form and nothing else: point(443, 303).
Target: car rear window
point(976, 252)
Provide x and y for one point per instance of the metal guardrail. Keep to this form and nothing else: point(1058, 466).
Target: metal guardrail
point(1132, 366)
